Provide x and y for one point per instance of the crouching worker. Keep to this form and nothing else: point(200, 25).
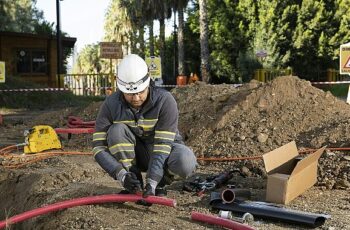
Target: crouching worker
point(137, 131)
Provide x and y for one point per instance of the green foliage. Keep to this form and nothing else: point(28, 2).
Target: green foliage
point(23, 16)
point(303, 34)
point(89, 61)
point(39, 99)
point(246, 65)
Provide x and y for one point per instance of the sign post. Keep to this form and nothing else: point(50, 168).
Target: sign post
point(344, 64)
point(111, 50)
point(2, 72)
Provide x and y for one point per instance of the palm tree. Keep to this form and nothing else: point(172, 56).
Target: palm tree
point(162, 11)
point(180, 5)
point(204, 34)
point(117, 25)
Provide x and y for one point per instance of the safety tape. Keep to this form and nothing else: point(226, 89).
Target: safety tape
point(68, 89)
point(330, 82)
point(178, 86)
point(163, 86)
point(38, 89)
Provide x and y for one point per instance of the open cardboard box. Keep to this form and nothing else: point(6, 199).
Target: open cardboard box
point(288, 174)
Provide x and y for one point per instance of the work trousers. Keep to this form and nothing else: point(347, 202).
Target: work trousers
point(130, 150)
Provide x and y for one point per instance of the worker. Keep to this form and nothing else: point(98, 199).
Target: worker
point(137, 131)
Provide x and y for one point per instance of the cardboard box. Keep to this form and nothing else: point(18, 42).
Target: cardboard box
point(288, 174)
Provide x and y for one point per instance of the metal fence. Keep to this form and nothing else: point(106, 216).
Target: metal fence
point(329, 75)
point(89, 84)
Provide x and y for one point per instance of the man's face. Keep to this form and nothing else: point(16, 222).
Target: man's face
point(136, 100)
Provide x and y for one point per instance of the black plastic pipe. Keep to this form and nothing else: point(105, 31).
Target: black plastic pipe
point(269, 211)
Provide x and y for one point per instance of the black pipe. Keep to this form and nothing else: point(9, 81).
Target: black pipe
point(271, 212)
point(229, 195)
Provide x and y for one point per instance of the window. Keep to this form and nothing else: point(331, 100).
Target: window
point(31, 61)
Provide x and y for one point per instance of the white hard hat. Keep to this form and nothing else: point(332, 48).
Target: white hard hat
point(133, 74)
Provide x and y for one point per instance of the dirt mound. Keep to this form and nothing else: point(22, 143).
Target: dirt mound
point(256, 118)
point(225, 121)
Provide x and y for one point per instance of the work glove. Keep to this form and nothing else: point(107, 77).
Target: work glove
point(131, 183)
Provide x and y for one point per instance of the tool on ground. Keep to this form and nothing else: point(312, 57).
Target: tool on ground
point(246, 218)
point(41, 138)
point(200, 186)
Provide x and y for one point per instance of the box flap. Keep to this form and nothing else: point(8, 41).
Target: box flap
point(280, 156)
point(308, 160)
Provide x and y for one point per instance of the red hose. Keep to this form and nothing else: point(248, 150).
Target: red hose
point(86, 201)
point(210, 219)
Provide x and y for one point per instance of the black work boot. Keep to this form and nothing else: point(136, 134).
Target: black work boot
point(167, 179)
point(161, 191)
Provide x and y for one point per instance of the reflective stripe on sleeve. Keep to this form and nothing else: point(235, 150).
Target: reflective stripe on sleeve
point(164, 135)
point(98, 149)
point(99, 136)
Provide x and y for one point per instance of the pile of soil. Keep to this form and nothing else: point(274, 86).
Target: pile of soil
point(216, 121)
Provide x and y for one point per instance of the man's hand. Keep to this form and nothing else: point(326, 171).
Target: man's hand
point(149, 191)
point(131, 183)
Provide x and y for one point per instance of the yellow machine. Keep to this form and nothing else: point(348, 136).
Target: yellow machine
point(41, 138)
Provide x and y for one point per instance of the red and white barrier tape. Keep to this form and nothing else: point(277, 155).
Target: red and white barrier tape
point(36, 90)
point(163, 86)
point(330, 82)
point(70, 89)
point(179, 86)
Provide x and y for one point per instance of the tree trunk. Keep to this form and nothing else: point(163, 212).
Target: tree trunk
point(151, 38)
point(203, 24)
point(162, 44)
point(142, 41)
point(133, 41)
point(180, 42)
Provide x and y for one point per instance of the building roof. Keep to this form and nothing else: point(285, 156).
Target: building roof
point(66, 41)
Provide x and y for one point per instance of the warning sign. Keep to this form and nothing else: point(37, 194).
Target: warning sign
point(111, 50)
point(345, 59)
point(154, 66)
point(2, 72)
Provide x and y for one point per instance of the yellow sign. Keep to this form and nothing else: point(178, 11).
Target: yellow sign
point(345, 59)
point(111, 50)
point(154, 66)
point(2, 72)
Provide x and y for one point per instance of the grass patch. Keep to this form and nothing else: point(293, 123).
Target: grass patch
point(40, 99)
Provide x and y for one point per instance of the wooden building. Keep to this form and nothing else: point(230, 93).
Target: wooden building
point(32, 57)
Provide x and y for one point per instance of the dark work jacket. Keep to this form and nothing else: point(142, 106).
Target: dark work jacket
point(156, 123)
